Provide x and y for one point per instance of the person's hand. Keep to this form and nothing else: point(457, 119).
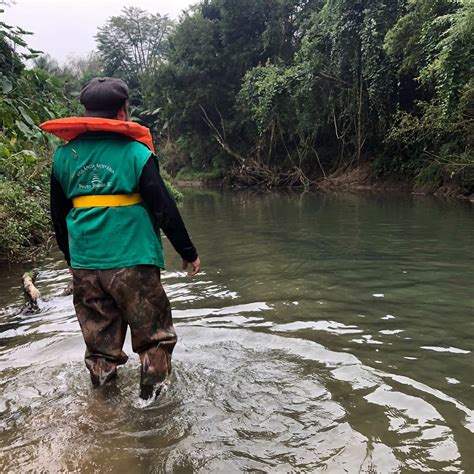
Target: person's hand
point(196, 266)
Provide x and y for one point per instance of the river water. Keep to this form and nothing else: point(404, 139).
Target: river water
point(326, 333)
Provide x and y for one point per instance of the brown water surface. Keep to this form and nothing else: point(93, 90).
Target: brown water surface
point(329, 333)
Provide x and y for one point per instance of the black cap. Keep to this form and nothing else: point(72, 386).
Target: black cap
point(104, 94)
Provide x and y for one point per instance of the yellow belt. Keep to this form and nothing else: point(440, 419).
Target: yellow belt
point(107, 200)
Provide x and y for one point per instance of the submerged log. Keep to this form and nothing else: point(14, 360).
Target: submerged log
point(31, 292)
point(69, 290)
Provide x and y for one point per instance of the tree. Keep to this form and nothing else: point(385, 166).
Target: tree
point(432, 46)
point(48, 64)
point(85, 68)
point(211, 50)
point(13, 47)
point(333, 100)
point(133, 43)
point(313, 87)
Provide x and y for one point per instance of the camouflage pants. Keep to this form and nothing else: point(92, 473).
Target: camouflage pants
point(106, 302)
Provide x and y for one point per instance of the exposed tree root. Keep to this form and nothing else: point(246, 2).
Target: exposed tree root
point(252, 173)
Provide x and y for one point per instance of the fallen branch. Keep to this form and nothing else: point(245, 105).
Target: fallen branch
point(69, 290)
point(31, 292)
point(256, 174)
point(220, 138)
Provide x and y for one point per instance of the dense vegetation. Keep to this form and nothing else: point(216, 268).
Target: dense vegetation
point(284, 92)
point(259, 92)
point(27, 98)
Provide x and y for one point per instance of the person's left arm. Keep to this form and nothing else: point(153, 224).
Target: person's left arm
point(60, 208)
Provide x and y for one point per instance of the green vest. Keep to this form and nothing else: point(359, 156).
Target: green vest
point(107, 237)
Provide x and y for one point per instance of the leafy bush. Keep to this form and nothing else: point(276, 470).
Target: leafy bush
point(199, 175)
point(24, 221)
point(27, 98)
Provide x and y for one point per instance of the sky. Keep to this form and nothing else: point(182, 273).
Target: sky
point(65, 28)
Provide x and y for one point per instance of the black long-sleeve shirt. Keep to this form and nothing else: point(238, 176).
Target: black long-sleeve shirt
point(161, 207)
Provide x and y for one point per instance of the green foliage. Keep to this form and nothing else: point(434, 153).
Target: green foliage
point(318, 85)
point(27, 98)
point(132, 45)
point(10, 62)
point(411, 43)
point(84, 68)
point(453, 63)
point(433, 43)
point(47, 64)
point(14, 48)
point(175, 192)
point(195, 91)
point(24, 220)
point(335, 92)
point(431, 146)
point(187, 174)
point(263, 93)
point(430, 174)
point(431, 136)
point(279, 80)
point(32, 98)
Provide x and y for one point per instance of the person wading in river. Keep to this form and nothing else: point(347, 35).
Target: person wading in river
point(108, 203)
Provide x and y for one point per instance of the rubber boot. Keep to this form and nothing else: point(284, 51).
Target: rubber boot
point(102, 371)
point(155, 369)
point(148, 392)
